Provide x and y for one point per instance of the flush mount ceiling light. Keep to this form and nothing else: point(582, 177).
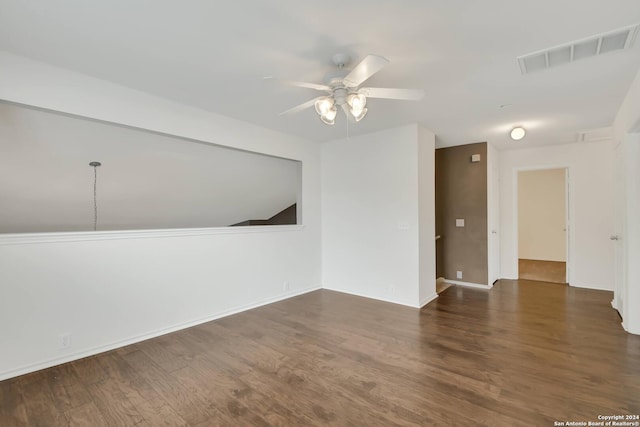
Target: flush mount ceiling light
point(517, 133)
point(343, 90)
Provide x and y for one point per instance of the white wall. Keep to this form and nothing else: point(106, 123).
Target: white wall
point(626, 128)
point(590, 208)
point(107, 291)
point(628, 117)
point(493, 213)
point(370, 214)
point(631, 239)
point(542, 215)
point(426, 215)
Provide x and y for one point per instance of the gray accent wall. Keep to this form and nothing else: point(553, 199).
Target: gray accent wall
point(461, 193)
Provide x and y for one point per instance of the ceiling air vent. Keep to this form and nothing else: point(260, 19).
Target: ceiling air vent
point(619, 39)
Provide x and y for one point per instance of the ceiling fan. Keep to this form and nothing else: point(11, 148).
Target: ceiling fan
point(343, 90)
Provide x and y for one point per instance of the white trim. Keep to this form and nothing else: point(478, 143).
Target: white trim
point(427, 300)
point(568, 226)
point(121, 343)
point(629, 331)
point(377, 298)
point(588, 286)
point(469, 284)
point(26, 238)
point(614, 304)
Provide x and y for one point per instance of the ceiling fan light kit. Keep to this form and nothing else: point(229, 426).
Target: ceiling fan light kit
point(344, 91)
point(324, 105)
point(326, 109)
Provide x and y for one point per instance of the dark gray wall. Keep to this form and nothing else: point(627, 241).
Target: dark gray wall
point(461, 192)
point(287, 216)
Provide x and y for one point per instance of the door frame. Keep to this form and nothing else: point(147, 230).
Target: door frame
point(619, 230)
point(569, 215)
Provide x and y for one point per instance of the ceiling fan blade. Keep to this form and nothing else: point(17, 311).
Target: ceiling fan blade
point(392, 93)
point(301, 84)
point(365, 69)
point(301, 107)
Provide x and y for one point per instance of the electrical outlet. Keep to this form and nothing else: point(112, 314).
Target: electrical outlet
point(286, 286)
point(403, 225)
point(458, 274)
point(65, 340)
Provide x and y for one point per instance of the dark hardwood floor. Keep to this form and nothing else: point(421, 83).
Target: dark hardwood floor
point(521, 354)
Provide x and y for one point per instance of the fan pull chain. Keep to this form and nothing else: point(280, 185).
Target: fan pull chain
point(347, 126)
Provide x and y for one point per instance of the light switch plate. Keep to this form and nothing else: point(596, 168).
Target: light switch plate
point(459, 222)
point(475, 158)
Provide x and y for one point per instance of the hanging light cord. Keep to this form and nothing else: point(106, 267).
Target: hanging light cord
point(95, 193)
point(347, 125)
point(95, 198)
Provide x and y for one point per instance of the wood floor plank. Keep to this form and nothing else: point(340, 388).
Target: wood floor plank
point(87, 415)
point(523, 353)
point(12, 408)
point(89, 370)
point(345, 378)
point(183, 401)
point(38, 401)
point(113, 403)
point(167, 353)
point(151, 406)
point(66, 388)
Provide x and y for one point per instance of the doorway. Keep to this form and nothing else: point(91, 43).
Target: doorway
point(542, 225)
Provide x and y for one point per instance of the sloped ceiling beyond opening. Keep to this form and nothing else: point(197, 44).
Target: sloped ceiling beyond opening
point(146, 181)
point(214, 55)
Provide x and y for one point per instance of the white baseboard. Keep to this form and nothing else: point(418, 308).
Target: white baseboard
point(469, 284)
point(624, 326)
point(633, 332)
point(121, 343)
point(428, 300)
point(377, 298)
point(589, 286)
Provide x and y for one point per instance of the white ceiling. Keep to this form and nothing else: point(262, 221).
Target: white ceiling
point(214, 55)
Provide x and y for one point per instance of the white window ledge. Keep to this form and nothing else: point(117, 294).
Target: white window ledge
point(26, 238)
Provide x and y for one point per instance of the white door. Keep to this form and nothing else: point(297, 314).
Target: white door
point(619, 231)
